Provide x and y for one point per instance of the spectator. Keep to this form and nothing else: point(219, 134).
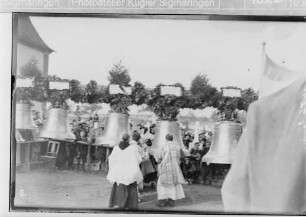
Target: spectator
point(195, 161)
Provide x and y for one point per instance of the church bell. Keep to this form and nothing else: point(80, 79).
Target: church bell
point(167, 127)
point(224, 143)
point(57, 125)
point(24, 117)
point(116, 125)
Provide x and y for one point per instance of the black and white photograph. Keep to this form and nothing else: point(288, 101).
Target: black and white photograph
point(158, 114)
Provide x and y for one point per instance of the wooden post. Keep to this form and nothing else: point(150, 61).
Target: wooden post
point(106, 158)
point(27, 157)
point(107, 154)
point(18, 161)
point(88, 155)
point(96, 151)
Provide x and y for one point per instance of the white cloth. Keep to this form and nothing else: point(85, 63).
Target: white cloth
point(276, 77)
point(124, 166)
point(269, 172)
point(165, 191)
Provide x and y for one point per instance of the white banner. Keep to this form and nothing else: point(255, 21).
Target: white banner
point(232, 92)
point(115, 89)
point(170, 90)
point(275, 77)
point(59, 85)
point(25, 82)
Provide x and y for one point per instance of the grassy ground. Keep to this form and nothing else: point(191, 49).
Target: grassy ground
point(89, 191)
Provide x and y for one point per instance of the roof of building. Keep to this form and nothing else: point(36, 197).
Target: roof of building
point(28, 34)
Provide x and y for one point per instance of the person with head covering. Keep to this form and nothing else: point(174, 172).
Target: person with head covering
point(206, 168)
point(170, 177)
point(124, 173)
point(149, 166)
point(143, 153)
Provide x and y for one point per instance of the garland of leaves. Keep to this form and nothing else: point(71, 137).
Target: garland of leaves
point(40, 84)
point(76, 92)
point(58, 98)
point(166, 107)
point(119, 103)
point(228, 106)
point(200, 95)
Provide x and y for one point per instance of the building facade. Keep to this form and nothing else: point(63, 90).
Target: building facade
point(31, 46)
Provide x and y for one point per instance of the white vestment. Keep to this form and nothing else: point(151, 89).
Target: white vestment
point(124, 166)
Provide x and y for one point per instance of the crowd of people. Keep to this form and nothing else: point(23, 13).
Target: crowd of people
point(194, 170)
point(133, 165)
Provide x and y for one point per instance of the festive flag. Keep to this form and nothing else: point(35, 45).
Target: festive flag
point(275, 77)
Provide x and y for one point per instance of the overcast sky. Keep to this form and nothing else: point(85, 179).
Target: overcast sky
point(169, 51)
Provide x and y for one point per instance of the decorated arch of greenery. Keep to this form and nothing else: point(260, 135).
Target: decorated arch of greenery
point(200, 95)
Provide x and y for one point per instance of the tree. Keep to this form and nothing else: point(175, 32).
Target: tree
point(139, 94)
point(249, 96)
point(119, 75)
point(91, 87)
point(118, 102)
point(202, 93)
point(92, 92)
point(40, 85)
point(199, 85)
point(75, 91)
point(30, 69)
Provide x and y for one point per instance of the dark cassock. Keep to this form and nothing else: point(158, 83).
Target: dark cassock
point(268, 174)
point(125, 174)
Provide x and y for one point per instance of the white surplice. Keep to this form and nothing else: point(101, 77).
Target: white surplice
point(124, 166)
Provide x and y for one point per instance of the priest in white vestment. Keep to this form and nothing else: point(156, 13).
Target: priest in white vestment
point(170, 176)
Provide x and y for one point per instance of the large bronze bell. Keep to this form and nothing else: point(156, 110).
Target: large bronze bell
point(24, 117)
point(162, 129)
point(57, 125)
point(224, 144)
point(116, 125)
